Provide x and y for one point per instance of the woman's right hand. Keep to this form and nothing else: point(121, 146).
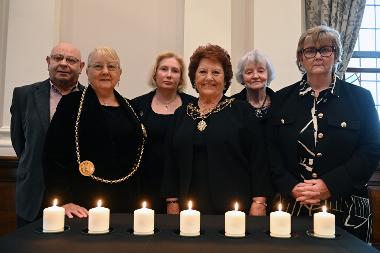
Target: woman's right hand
point(72, 210)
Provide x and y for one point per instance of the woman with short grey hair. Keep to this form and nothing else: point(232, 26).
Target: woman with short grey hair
point(255, 71)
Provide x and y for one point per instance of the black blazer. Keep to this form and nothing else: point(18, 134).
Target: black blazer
point(350, 147)
point(143, 102)
point(30, 120)
point(236, 157)
point(62, 176)
point(242, 95)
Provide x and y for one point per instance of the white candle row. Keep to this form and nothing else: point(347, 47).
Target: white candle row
point(99, 217)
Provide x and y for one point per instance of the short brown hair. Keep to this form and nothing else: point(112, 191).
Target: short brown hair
point(317, 34)
point(162, 56)
point(212, 52)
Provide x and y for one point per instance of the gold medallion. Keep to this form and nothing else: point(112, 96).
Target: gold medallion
point(202, 125)
point(86, 168)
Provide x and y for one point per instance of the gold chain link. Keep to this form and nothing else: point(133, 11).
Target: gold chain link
point(194, 111)
point(139, 156)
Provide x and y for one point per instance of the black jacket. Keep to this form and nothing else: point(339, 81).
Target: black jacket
point(30, 120)
point(153, 163)
point(236, 157)
point(63, 179)
point(242, 95)
point(349, 150)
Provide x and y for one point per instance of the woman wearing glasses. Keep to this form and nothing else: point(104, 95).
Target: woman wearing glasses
point(324, 138)
point(215, 154)
point(95, 142)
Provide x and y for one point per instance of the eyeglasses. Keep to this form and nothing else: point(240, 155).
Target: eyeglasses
point(69, 59)
point(109, 66)
point(311, 52)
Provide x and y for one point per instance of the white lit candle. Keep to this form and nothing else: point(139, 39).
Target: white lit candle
point(280, 223)
point(98, 219)
point(234, 222)
point(53, 218)
point(190, 222)
point(143, 221)
point(324, 224)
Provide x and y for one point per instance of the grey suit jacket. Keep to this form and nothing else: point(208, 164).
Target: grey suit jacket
point(30, 120)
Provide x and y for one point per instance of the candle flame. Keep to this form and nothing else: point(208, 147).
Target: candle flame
point(279, 207)
point(99, 203)
point(144, 204)
point(236, 206)
point(324, 209)
point(55, 202)
point(190, 205)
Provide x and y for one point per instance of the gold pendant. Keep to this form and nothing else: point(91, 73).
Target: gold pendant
point(86, 168)
point(202, 125)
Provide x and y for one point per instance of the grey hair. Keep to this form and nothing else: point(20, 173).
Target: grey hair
point(317, 34)
point(256, 57)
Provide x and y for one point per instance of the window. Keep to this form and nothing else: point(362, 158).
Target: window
point(364, 66)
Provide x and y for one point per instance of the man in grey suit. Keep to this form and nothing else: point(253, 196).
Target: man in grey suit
point(32, 108)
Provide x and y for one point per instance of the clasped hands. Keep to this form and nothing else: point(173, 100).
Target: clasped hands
point(311, 191)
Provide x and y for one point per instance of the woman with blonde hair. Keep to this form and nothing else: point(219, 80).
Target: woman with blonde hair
point(156, 110)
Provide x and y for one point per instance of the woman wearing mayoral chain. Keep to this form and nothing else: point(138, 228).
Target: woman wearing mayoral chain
point(95, 143)
point(215, 154)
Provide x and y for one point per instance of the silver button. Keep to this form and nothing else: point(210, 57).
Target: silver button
point(282, 121)
point(320, 135)
point(311, 162)
point(314, 175)
point(343, 124)
point(319, 154)
point(320, 115)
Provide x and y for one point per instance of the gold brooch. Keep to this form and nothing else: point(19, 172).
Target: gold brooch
point(86, 168)
point(202, 125)
point(195, 113)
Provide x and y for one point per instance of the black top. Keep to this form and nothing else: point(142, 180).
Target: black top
point(235, 155)
point(110, 137)
point(153, 161)
point(260, 113)
point(347, 148)
point(200, 184)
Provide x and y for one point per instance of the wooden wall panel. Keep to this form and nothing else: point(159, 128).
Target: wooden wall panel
point(8, 167)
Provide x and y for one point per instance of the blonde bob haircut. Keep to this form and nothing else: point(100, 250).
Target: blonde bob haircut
point(160, 57)
point(317, 34)
point(105, 51)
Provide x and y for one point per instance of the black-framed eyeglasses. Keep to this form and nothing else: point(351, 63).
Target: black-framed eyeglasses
point(325, 51)
point(69, 59)
point(110, 66)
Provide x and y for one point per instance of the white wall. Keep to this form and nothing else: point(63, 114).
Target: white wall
point(277, 31)
point(139, 30)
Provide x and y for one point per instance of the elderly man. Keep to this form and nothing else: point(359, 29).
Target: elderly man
point(33, 106)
